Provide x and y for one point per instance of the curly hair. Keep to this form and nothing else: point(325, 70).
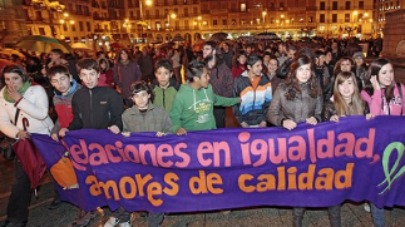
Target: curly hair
point(292, 83)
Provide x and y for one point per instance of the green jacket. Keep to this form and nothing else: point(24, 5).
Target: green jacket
point(164, 97)
point(193, 109)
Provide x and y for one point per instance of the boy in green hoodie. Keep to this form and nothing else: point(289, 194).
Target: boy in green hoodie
point(193, 105)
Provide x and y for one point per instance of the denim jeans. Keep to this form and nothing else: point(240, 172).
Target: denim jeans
point(378, 215)
point(333, 211)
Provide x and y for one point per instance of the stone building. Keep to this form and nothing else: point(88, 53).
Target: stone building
point(99, 23)
point(12, 23)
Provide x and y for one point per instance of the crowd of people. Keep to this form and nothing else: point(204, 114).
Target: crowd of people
point(267, 84)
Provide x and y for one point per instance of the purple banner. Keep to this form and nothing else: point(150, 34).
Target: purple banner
point(311, 166)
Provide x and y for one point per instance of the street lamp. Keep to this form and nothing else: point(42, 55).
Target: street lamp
point(264, 14)
point(127, 26)
point(148, 3)
point(170, 15)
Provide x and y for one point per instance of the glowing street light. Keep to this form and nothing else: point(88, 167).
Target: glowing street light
point(171, 15)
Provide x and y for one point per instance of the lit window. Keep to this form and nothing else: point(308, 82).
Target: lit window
point(243, 7)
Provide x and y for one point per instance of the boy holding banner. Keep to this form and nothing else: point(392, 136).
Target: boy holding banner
point(94, 107)
point(193, 105)
point(65, 87)
point(143, 116)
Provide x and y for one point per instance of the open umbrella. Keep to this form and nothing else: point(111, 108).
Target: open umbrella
point(267, 36)
point(178, 38)
point(4, 63)
point(9, 52)
point(80, 46)
point(166, 45)
point(219, 36)
point(197, 47)
point(42, 44)
point(116, 45)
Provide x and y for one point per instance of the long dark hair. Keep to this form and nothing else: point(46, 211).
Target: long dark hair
point(374, 69)
point(292, 82)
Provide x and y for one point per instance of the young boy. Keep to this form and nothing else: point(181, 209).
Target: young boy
point(94, 107)
point(254, 89)
point(166, 87)
point(143, 116)
point(107, 105)
point(65, 88)
point(193, 105)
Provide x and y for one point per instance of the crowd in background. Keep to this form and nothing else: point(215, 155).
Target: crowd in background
point(179, 88)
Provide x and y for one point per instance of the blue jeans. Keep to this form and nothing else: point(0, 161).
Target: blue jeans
point(378, 215)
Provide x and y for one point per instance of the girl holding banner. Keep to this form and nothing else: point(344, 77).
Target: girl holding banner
point(21, 101)
point(384, 96)
point(345, 101)
point(297, 100)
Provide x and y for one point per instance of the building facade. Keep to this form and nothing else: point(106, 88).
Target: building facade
point(381, 8)
point(342, 19)
point(12, 23)
point(99, 23)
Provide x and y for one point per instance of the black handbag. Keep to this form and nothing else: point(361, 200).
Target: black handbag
point(7, 143)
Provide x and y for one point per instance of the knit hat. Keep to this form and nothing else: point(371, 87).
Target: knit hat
point(358, 54)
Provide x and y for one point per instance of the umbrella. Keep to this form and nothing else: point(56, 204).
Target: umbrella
point(156, 41)
point(4, 63)
point(42, 44)
point(166, 45)
point(197, 47)
point(219, 36)
point(9, 52)
point(143, 23)
point(116, 45)
point(267, 36)
point(178, 38)
point(30, 159)
point(80, 46)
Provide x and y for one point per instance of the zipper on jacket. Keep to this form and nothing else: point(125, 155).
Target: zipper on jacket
point(164, 101)
point(91, 107)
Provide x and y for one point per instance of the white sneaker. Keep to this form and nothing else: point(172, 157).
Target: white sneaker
point(112, 221)
point(367, 207)
point(124, 224)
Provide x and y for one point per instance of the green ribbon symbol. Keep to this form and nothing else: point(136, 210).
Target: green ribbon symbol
point(390, 175)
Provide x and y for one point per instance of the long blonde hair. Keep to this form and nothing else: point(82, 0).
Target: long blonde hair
point(356, 106)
